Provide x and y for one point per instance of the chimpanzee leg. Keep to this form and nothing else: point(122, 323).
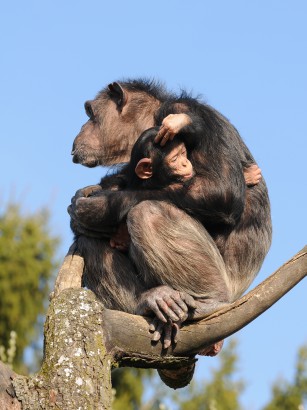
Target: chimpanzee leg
point(109, 274)
point(243, 253)
point(171, 248)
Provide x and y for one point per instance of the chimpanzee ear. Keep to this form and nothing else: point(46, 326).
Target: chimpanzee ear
point(118, 94)
point(144, 168)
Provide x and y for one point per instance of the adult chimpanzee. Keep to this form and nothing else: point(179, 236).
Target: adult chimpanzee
point(215, 260)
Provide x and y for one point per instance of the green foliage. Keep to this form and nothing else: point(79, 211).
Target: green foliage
point(128, 387)
point(290, 396)
point(27, 252)
point(221, 393)
point(8, 355)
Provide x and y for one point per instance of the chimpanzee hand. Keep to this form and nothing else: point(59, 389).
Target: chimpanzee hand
point(168, 332)
point(166, 303)
point(85, 202)
point(171, 125)
point(90, 190)
point(89, 211)
point(79, 229)
point(87, 191)
point(252, 175)
point(75, 209)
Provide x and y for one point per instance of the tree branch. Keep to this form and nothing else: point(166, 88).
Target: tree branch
point(83, 340)
point(219, 325)
point(70, 273)
point(193, 336)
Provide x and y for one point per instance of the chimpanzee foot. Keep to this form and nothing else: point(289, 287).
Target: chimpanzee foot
point(167, 333)
point(177, 378)
point(212, 350)
point(166, 304)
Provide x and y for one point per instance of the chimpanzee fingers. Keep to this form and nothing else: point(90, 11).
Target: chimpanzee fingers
point(167, 335)
point(166, 309)
point(154, 324)
point(188, 299)
point(175, 332)
point(70, 211)
point(75, 199)
point(165, 138)
point(259, 175)
point(91, 190)
point(148, 306)
point(179, 307)
point(158, 311)
point(79, 194)
point(167, 331)
point(72, 205)
point(158, 332)
point(160, 134)
point(180, 302)
point(80, 230)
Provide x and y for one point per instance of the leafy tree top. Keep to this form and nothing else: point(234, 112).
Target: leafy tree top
point(27, 261)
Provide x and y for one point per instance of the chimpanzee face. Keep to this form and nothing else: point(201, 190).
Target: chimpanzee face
point(116, 118)
point(178, 163)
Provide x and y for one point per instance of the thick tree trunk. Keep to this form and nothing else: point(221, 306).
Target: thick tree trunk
point(76, 371)
point(7, 393)
point(83, 341)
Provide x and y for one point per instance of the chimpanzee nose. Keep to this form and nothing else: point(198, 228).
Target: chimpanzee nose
point(73, 150)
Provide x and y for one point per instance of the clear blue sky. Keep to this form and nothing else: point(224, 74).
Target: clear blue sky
point(247, 59)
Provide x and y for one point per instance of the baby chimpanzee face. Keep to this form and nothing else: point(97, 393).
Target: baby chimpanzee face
point(178, 162)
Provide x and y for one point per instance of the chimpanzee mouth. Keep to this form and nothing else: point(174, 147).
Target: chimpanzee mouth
point(85, 160)
point(188, 176)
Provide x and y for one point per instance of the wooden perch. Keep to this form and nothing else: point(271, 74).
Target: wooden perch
point(215, 327)
point(83, 341)
point(70, 273)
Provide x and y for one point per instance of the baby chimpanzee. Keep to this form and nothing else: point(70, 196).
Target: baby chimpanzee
point(153, 166)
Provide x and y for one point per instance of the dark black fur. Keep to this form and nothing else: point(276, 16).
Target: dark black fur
point(145, 147)
point(236, 216)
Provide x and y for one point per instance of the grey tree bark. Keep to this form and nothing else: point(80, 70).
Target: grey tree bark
point(84, 341)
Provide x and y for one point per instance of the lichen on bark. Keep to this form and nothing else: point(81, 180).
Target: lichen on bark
point(76, 369)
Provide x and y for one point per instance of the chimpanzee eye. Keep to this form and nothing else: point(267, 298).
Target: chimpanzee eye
point(88, 109)
point(174, 159)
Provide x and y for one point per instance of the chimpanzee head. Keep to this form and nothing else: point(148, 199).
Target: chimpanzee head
point(117, 116)
point(153, 166)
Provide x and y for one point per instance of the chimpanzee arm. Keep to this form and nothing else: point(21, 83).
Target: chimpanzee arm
point(113, 182)
point(218, 201)
point(216, 196)
point(189, 125)
point(212, 202)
